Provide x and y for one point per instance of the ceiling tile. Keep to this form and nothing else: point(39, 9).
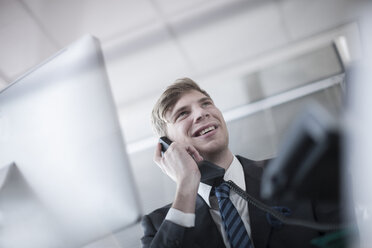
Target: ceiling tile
point(23, 44)
point(142, 64)
point(68, 20)
point(304, 18)
point(121, 15)
point(230, 39)
point(174, 7)
point(62, 19)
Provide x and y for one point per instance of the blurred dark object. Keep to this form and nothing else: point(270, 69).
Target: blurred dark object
point(338, 239)
point(308, 162)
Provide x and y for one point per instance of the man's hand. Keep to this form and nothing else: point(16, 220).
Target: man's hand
point(179, 162)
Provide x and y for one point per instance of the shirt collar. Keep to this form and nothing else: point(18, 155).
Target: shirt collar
point(234, 173)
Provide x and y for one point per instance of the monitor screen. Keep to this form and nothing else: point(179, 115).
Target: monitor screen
point(65, 178)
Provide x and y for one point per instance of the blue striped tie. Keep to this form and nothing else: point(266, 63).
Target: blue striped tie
point(234, 226)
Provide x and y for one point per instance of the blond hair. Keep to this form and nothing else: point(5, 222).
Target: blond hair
point(168, 99)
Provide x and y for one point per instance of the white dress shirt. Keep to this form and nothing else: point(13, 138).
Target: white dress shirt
point(234, 173)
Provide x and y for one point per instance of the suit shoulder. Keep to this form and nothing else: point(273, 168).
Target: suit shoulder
point(157, 216)
point(255, 163)
point(162, 210)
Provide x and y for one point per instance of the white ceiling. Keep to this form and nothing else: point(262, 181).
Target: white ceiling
point(147, 44)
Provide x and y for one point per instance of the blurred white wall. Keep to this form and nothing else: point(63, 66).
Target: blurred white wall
point(358, 122)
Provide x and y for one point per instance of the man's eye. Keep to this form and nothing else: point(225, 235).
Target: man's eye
point(182, 114)
point(206, 103)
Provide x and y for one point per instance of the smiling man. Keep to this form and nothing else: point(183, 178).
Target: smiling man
point(206, 216)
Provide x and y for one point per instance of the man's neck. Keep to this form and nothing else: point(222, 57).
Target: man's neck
point(222, 159)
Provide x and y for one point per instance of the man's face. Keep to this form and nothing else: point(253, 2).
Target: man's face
point(195, 120)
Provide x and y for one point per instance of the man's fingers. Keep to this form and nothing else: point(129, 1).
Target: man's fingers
point(194, 153)
point(158, 158)
point(157, 154)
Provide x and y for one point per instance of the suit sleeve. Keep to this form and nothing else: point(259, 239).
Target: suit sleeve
point(165, 234)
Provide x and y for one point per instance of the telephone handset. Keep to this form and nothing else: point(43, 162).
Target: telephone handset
point(210, 173)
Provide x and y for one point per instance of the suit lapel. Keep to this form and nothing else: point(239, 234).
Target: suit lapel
point(206, 232)
point(260, 228)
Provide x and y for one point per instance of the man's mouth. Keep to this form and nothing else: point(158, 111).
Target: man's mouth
point(204, 131)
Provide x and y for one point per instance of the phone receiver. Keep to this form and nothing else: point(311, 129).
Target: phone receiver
point(210, 173)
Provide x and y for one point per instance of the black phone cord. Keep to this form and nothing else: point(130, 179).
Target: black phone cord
point(278, 215)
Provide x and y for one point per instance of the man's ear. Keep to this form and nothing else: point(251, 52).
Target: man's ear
point(165, 131)
point(168, 134)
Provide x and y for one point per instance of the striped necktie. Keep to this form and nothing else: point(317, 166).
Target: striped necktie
point(236, 232)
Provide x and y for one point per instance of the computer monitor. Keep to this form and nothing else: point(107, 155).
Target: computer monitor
point(65, 178)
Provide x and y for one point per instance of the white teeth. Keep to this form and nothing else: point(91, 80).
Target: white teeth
point(206, 130)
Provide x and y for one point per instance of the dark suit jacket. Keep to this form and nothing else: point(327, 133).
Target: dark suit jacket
point(162, 233)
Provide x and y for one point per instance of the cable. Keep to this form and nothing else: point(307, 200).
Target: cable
point(279, 216)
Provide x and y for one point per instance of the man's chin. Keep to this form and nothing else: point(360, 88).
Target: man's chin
point(206, 152)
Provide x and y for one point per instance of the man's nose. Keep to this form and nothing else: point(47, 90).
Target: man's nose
point(200, 114)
